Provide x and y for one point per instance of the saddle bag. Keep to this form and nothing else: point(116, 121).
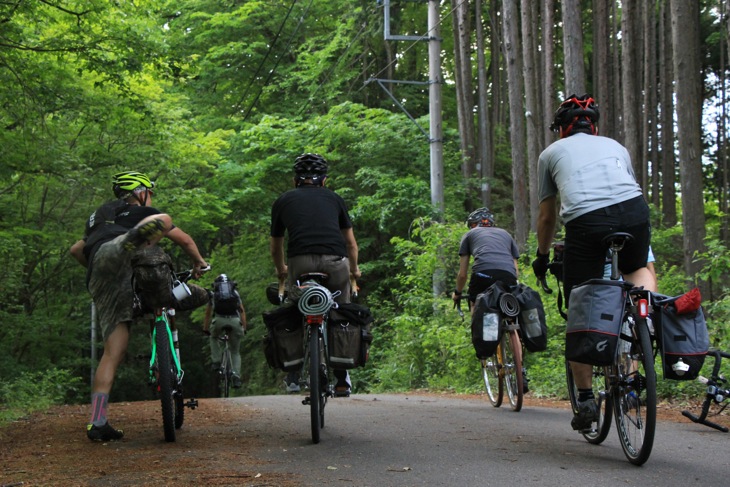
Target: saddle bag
point(486, 331)
point(348, 336)
point(533, 326)
point(682, 336)
point(595, 316)
point(152, 277)
point(283, 343)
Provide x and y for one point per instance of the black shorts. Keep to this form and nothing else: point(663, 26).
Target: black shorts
point(480, 281)
point(585, 254)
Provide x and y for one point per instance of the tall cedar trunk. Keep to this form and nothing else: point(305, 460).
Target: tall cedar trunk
point(688, 82)
point(513, 60)
point(617, 128)
point(498, 118)
point(464, 96)
point(648, 122)
point(630, 54)
point(723, 147)
point(549, 98)
point(602, 64)
point(575, 78)
point(529, 55)
point(485, 161)
point(666, 95)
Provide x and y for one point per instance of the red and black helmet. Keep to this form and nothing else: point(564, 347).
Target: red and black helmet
point(576, 114)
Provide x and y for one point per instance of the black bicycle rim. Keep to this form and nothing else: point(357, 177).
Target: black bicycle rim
point(166, 380)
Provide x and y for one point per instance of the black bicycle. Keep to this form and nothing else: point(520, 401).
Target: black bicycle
point(715, 394)
point(225, 373)
point(625, 389)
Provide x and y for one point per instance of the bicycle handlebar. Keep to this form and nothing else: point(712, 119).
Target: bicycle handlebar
point(185, 276)
point(713, 393)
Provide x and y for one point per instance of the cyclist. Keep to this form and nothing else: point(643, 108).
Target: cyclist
point(106, 251)
point(495, 255)
point(593, 177)
point(225, 310)
point(321, 239)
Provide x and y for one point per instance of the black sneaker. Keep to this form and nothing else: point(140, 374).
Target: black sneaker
point(525, 381)
point(587, 414)
point(237, 382)
point(143, 233)
point(103, 433)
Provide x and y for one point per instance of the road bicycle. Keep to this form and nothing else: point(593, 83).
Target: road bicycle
point(504, 369)
point(225, 373)
point(165, 372)
point(625, 389)
point(716, 393)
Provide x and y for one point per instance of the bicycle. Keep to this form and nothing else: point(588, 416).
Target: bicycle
point(225, 373)
point(626, 389)
point(715, 393)
point(165, 371)
point(504, 368)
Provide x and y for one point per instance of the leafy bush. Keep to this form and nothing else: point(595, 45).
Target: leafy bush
point(36, 391)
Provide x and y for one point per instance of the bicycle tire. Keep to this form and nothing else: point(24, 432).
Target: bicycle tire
point(634, 397)
point(226, 373)
point(167, 378)
point(314, 383)
point(493, 380)
point(513, 378)
point(596, 435)
point(323, 382)
point(179, 408)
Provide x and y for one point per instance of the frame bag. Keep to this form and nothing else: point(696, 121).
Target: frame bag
point(533, 327)
point(348, 336)
point(284, 340)
point(682, 337)
point(486, 331)
point(595, 316)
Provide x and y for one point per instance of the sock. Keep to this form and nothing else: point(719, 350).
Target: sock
point(99, 401)
point(585, 394)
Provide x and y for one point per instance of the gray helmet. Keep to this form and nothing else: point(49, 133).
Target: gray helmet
point(481, 217)
point(576, 114)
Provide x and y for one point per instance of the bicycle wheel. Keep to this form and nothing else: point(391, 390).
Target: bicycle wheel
point(314, 383)
point(226, 374)
point(179, 408)
point(493, 380)
point(634, 398)
point(513, 379)
point(167, 378)
point(598, 431)
point(324, 382)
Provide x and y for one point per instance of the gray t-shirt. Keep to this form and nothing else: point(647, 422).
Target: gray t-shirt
point(588, 172)
point(492, 249)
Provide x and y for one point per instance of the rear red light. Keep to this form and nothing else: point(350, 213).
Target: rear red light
point(643, 308)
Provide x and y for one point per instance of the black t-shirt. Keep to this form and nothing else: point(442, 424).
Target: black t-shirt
point(314, 216)
point(127, 217)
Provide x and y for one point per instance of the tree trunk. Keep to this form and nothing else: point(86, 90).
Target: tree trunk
point(687, 77)
point(534, 147)
point(666, 95)
point(648, 122)
point(549, 98)
point(513, 59)
point(602, 65)
point(464, 96)
point(630, 54)
point(485, 164)
point(575, 78)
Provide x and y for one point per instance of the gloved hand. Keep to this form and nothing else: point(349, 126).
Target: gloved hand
point(540, 264)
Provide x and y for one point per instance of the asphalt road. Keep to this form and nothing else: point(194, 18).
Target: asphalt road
point(416, 440)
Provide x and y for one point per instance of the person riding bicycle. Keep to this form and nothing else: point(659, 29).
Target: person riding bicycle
point(321, 239)
point(106, 250)
point(225, 310)
point(495, 255)
point(593, 177)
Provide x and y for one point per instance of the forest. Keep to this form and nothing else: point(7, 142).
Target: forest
point(214, 99)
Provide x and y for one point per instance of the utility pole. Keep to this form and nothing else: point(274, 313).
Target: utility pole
point(435, 134)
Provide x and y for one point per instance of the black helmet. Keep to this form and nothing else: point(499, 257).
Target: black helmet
point(221, 278)
point(576, 114)
point(310, 166)
point(481, 217)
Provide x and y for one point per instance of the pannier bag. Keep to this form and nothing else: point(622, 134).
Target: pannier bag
point(595, 316)
point(348, 336)
point(152, 277)
point(284, 340)
point(486, 331)
point(533, 326)
point(682, 335)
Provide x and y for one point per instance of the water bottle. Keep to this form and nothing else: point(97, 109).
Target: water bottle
point(490, 327)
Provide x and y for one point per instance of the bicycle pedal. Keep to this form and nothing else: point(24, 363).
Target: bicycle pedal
point(306, 401)
point(192, 403)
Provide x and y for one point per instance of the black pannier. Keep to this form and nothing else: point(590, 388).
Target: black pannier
point(348, 336)
point(284, 341)
point(533, 326)
point(486, 329)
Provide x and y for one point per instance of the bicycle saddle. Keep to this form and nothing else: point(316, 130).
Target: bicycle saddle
point(617, 238)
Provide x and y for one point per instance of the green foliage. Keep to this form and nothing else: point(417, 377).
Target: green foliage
point(36, 391)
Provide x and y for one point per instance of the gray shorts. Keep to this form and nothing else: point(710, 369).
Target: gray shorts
point(336, 266)
point(110, 286)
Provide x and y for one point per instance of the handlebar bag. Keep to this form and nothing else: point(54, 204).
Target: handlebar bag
point(533, 326)
point(284, 341)
point(595, 315)
point(348, 336)
point(486, 331)
point(681, 337)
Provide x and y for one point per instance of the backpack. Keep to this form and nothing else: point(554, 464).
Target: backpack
point(103, 219)
point(225, 299)
point(152, 277)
